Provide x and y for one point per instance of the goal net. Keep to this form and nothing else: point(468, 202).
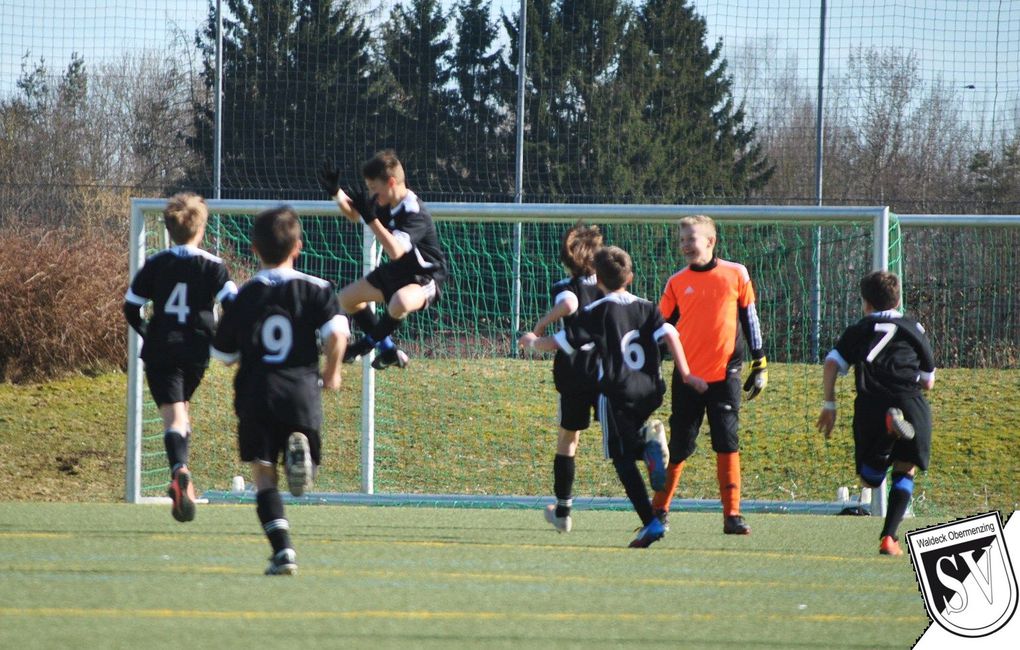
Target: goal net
point(471, 422)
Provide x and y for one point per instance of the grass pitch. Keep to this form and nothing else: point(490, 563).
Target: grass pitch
point(123, 576)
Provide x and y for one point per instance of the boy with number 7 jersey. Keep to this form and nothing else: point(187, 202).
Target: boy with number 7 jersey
point(893, 366)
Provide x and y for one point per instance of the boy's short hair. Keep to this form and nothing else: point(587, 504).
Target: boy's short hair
point(274, 234)
point(613, 267)
point(578, 248)
point(881, 289)
point(384, 166)
point(184, 216)
point(699, 220)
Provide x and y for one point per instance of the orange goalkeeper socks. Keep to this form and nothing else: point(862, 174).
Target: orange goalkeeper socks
point(662, 499)
point(727, 469)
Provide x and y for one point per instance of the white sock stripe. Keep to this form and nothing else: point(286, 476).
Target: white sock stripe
point(566, 503)
point(276, 524)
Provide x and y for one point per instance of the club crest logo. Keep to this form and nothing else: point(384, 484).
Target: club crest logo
point(965, 573)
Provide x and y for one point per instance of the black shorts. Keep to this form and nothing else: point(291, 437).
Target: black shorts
point(391, 277)
point(171, 384)
point(621, 430)
point(575, 410)
point(260, 437)
point(873, 446)
point(722, 404)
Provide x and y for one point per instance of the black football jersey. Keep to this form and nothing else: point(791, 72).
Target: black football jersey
point(890, 354)
point(183, 283)
point(626, 331)
point(274, 328)
point(411, 224)
point(578, 372)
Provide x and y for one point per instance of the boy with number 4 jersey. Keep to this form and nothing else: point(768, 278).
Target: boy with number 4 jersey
point(182, 282)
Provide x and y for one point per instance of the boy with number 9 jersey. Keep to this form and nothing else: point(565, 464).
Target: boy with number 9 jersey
point(276, 327)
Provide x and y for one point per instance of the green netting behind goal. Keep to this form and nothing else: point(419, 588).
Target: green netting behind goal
point(468, 416)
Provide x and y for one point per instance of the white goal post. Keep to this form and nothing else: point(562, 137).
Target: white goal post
point(142, 238)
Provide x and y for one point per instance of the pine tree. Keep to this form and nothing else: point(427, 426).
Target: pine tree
point(483, 153)
point(416, 55)
point(298, 83)
point(702, 148)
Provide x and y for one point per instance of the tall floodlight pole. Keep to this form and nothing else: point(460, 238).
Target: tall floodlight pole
point(816, 257)
point(515, 307)
point(218, 102)
point(218, 115)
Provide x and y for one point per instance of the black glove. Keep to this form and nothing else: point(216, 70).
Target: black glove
point(329, 178)
point(364, 204)
point(757, 380)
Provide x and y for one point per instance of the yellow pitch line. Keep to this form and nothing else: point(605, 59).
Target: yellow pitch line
point(471, 576)
point(253, 538)
point(80, 612)
point(34, 535)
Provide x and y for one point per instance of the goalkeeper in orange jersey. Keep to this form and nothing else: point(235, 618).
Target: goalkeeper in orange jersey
point(706, 300)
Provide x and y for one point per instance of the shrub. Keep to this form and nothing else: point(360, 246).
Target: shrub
point(60, 308)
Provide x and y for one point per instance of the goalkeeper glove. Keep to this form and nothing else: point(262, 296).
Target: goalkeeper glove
point(364, 204)
point(329, 178)
point(757, 380)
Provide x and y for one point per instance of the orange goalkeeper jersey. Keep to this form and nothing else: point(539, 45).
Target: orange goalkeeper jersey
point(705, 303)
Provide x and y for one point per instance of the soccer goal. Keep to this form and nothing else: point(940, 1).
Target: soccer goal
point(469, 421)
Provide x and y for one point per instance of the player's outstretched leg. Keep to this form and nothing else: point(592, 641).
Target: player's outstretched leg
point(298, 464)
point(656, 453)
point(283, 563)
point(182, 494)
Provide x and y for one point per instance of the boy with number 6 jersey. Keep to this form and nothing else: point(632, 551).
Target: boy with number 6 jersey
point(182, 282)
point(893, 366)
point(275, 328)
point(626, 331)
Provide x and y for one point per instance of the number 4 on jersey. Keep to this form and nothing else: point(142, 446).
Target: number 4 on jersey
point(177, 303)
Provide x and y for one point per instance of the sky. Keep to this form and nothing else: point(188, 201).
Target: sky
point(971, 45)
